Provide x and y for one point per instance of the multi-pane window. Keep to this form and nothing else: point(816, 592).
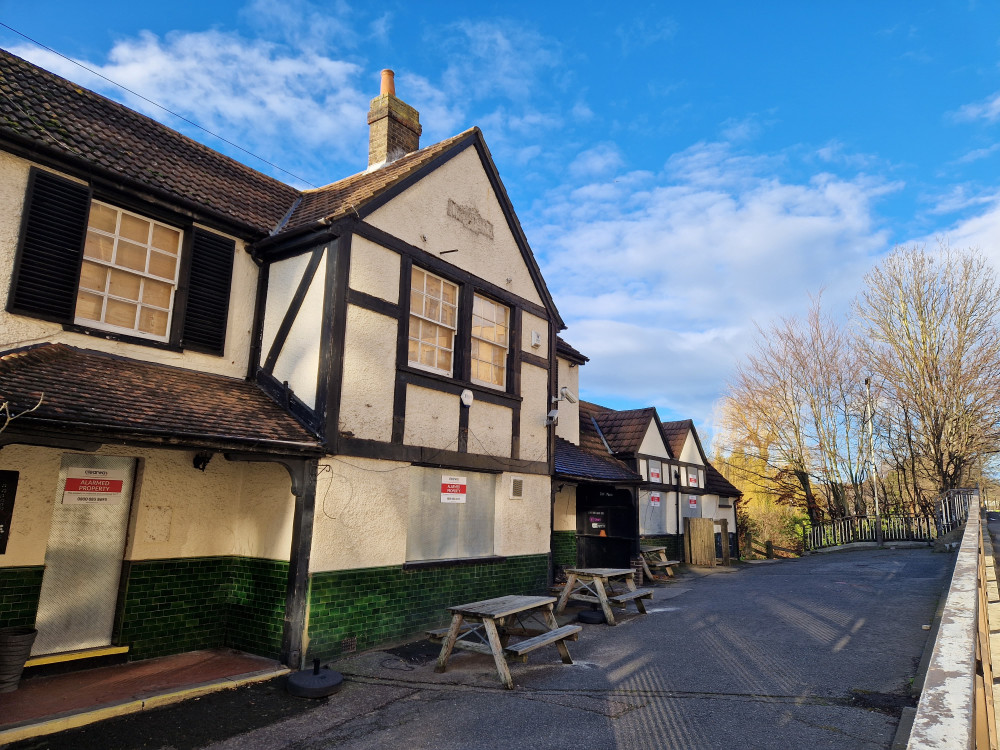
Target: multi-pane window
point(490, 327)
point(129, 273)
point(433, 312)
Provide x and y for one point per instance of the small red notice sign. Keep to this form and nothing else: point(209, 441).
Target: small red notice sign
point(692, 501)
point(89, 485)
point(654, 499)
point(453, 489)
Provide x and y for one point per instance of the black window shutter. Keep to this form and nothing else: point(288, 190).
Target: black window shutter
point(47, 266)
point(207, 309)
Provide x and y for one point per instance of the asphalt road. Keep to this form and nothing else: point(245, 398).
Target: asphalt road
point(811, 653)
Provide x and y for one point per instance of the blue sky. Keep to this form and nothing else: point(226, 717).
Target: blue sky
point(681, 170)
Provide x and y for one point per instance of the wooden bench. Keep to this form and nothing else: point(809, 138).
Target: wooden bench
point(630, 595)
point(566, 632)
point(666, 564)
point(440, 633)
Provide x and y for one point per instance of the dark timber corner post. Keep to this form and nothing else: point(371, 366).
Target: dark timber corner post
point(303, 473)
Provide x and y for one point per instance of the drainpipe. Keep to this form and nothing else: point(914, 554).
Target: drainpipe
point(677, 488)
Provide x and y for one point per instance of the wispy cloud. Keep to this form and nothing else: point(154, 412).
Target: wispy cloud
point(659, 275)
point(987, 109)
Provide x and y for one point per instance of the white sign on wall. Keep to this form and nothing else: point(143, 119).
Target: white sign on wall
point(453, 489)
point(692, 501)
point(654, 472)
point(93, 486)
point(693, 477)
point(654, 499)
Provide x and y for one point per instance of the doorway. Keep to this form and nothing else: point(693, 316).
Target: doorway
point(83, 559)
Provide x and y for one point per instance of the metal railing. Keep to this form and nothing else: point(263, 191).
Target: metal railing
point(956, 710)
point(953, 509)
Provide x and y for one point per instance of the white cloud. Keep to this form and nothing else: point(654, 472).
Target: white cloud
point(283, 106)
point(659, 276)
point(599, 160)
point(988, 109)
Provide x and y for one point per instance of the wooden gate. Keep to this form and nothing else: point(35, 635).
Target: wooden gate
point(699, 541)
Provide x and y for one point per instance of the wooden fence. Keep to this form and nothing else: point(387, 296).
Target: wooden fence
point(863, 529)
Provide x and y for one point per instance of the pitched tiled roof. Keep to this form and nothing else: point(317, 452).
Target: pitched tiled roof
point(568, 352)
point(575, 462)
point(676, 434)
point(51, 115)
point(93, 394)
point(717, 484)
point(340, 198)
point(625, 430)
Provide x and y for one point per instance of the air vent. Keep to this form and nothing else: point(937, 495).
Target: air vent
point(516, 488)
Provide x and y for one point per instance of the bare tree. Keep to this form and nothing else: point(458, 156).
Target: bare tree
point(7, 415)
point(796, 404)
point(928, 329)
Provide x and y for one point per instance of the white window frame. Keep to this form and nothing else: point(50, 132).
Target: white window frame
point(439, 323)
point(478, 311)
point(144, 276)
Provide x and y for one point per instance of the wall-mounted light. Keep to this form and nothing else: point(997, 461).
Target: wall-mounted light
point(201, 460)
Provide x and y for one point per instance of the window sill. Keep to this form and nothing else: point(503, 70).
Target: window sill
point(454, 562)
point(456, 384)
point(124, 338)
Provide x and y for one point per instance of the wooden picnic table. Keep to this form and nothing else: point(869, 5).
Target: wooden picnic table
point(656, 557)
point(602, 586)
point(486, 627)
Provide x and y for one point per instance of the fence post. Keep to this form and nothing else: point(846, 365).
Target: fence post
point(769, 549)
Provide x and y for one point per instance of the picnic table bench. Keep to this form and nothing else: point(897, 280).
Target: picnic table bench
point(486, 627)
point(603, 586)
point(656, 557)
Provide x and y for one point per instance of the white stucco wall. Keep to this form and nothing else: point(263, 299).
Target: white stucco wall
point(490, 429)
point(19, 330)
point(374, 269)
point(533, 324)
point(569, 414)
point(361, 514)
point(564, 518)
point(522, 525)
point(431, 418)
point(652, 443)
point(298, 362)
point(231, 508)
point(534, 406)
point(420, 217)
point(369, 374)
point(690, 452)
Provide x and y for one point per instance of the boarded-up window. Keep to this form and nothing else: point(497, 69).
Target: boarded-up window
point(441, 528)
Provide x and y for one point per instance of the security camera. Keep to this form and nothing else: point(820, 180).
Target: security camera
point(552, 417)
point(567, 394)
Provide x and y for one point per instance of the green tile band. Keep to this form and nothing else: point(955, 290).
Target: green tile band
point(357, 609)
point(19, 589)
point(564, 548)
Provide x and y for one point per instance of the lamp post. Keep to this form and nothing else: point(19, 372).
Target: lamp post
point(870, 424)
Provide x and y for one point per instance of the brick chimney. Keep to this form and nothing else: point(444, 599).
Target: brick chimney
point(394, 126)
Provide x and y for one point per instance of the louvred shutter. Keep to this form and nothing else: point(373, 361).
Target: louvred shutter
point(207, 310)
point(47, 267)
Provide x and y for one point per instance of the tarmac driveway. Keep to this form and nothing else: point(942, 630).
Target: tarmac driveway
point(811, 653)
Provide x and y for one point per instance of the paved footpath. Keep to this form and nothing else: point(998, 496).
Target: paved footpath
point(811, 653)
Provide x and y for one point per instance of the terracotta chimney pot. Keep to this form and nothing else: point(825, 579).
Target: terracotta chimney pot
point(388, 83)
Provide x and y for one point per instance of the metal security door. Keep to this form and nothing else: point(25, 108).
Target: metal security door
point(83, 560)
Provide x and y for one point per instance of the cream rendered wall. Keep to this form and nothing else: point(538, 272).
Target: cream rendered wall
point(38, 470)
point(690, 452)
point(533, 324)
point(177, 511)
point(298, 362)
point(361, 514)
point(565, 508)
point(652, 443)
point(534, 406)
point(420, 217)
point(369, 374)
point(19, 330)
point(522, 525)
point(431, 418)
point(569, 414)
point(374, 269)
point(490, 429)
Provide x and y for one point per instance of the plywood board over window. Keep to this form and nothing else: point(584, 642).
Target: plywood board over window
point(444, 530)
